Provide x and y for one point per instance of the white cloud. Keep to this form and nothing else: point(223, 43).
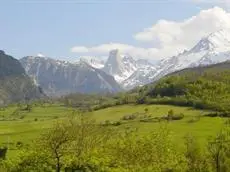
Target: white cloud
point(188, 32)
point(40, 55)
point(124, 48)
point(212, 1)
point(222, 3)
point(170, 37)
point(79, 49)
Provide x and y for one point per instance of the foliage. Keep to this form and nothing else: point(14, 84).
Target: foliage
point(154, 152)
point(206, 89)
point(195, 160)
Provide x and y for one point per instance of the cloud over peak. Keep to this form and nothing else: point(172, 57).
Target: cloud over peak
point(170, 37)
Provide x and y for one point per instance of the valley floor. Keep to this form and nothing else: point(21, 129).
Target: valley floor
point(22, 127)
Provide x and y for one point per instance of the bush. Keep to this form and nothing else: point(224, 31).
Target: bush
point(109, 123)
point(106, 123)
point(117, 123)
point(213, 114)
point(178, 117)
point(220, 114)
point(194, 119)
point(170, 112)
point(22, 117)
point(173, 117)
point(19, 144)
point(150, 119)
point(3, 152)
point(129, 117)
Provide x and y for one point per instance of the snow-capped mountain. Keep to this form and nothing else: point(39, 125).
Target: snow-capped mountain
point(90, 74)
point(118, 66)
point(58, 77)
point(93, 61)
point(124, 68)
point(212, 49)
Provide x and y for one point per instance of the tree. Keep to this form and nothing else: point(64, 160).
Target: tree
point(170, 115)
point(196, 162)
point(218, 149)
point(154, 152)
point(3, 152)
point(74, 143)
point(55, 143)
point(88, 138)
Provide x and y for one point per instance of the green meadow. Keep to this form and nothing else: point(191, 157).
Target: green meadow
point(26, 126)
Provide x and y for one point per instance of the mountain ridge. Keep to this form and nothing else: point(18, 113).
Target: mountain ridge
point(15, 85)
point(59, 77)
point(211, 49)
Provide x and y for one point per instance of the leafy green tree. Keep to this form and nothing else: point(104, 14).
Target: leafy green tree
point(154, 152)
point(219, 151)
point(195, 159)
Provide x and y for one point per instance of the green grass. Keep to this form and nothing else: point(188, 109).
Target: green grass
point(13, 129)
point(117, 112)
point(202, 129)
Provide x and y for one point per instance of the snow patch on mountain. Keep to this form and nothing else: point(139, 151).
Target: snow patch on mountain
point(212, 49)
point(93, 61)
point(58, 77)
point(124, 66)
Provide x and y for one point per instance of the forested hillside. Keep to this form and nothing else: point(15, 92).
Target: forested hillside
point(201, 87)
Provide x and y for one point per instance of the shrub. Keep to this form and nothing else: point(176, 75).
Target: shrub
point(22, 117)
point(19, 144)
point(117, 123)
point(150, 119)
point(170, 112)
point(106, 123)
point(3, 152)
point(214, 114)
point(194, 119)
point(173, 117)
point(129, 117)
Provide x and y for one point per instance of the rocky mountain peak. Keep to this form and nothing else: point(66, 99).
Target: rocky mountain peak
point(114, 65)
point(219, 40)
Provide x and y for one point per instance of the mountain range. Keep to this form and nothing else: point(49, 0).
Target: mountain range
point(119, 72)
point(58, 77)
point(130, 73)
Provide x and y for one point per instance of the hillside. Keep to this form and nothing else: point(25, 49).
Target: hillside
point(201, 87)
point(15, 85)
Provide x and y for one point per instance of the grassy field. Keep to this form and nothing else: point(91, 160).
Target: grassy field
point(203, 128)
point(25, 126)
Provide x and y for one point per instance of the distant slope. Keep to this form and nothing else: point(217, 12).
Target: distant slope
point(58, 77)
point(205, 87)
point(15, 85)
point(201, 69)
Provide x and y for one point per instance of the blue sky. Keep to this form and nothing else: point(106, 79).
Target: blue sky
point(54, 27)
